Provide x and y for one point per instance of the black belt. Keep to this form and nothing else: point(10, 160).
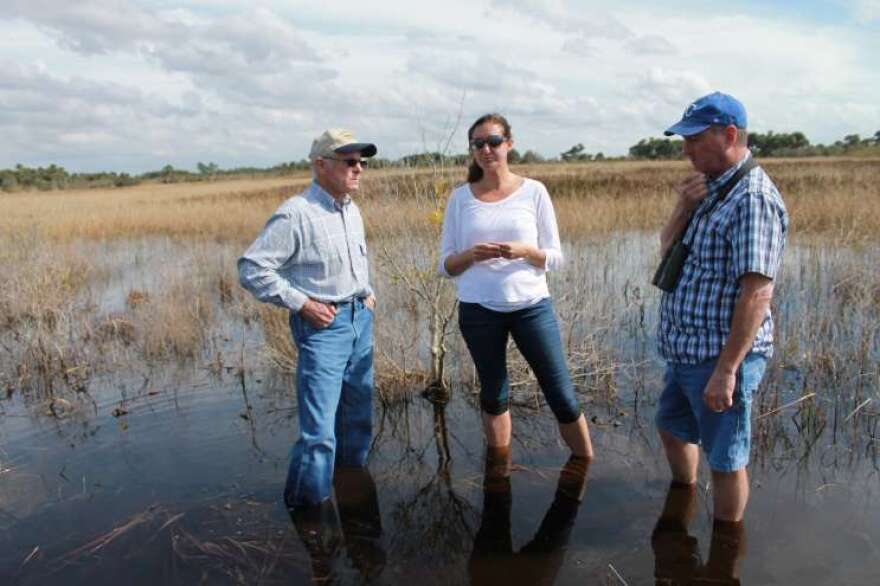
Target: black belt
point(345, 301)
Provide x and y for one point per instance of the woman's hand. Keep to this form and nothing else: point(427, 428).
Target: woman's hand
point(486, 251)
point(458, 263)
point(514, 250)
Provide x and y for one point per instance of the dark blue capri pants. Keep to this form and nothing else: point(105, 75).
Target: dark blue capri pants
point(535, 332)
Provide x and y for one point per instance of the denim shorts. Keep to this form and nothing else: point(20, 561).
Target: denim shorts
point(726, 436)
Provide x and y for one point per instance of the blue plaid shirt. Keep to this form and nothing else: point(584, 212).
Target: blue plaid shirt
point(745, 233)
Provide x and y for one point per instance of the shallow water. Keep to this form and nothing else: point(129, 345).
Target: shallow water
point(173, 473)
point(190, 478)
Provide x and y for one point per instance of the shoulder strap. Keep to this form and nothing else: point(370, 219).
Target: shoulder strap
point(731, 183)
point(725, 189)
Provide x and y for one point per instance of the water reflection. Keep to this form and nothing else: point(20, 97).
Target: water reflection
point(493, 560)
point(201, 502)
point(353, 526)
point(677, 560)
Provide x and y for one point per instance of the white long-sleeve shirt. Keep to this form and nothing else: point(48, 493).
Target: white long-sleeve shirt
point(525, 215)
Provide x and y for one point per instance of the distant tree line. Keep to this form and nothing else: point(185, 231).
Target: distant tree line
point(22, 178)
point(55, 177)
point(769, 144)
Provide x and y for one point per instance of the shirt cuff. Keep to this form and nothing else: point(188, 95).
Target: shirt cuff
point(554, 260)
point(442, 267)
point(294, 299)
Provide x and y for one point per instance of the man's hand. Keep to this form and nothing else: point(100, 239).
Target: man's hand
point(718, 395)
point(756, 290)
point(370, 302)
point(691, 190)
point(485, 251)
point(319, 315)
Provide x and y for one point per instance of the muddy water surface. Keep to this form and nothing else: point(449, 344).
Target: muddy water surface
point(173, 473)
point(178, 480)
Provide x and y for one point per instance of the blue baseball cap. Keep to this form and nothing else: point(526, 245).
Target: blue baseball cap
point(716, 109)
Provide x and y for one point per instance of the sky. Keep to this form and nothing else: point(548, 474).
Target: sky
point(125, 85)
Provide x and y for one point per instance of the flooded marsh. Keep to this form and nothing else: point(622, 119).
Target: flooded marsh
point(148, 408)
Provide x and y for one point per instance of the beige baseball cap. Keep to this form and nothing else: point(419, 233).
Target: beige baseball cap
point(339, 141)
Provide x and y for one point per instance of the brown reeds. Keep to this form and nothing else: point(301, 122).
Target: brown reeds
point(825, 196)
point(280, 349)
point(64, 253)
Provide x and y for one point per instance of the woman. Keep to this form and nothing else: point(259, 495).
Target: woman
point(499, 240)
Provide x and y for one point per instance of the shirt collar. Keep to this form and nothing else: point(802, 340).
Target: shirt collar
point(722, 179)
point(327, 200)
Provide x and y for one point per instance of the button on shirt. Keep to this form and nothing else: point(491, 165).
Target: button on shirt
point(744, 233)
point(313, 246)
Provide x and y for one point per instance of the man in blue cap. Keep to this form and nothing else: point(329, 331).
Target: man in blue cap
point(716, 331)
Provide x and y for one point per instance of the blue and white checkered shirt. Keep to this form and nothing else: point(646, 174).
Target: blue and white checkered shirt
point(745, 233)
point(312, 247)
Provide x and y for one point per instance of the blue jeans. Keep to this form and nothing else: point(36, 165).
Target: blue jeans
point(334, 392)
point(725, 437)
point(536, 334)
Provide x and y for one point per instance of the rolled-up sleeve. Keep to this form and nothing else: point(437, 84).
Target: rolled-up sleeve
point(448, 237)
point(757, 236)
point(258, 268)
point(548, 232)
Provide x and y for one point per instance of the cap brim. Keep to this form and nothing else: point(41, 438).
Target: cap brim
point(366, 149)
point(686, 128)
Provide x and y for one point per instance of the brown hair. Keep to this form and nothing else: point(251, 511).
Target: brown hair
point(475, 172)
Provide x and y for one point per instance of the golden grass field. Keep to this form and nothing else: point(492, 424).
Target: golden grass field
point(61, 252)
point(838, 197)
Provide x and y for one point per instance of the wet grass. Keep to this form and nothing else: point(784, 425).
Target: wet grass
point(98, 280)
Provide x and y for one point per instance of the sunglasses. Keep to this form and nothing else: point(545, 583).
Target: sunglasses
point(493, 140)
point(350, 162)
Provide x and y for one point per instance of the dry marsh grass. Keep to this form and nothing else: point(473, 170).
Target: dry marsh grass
point(836, 197)
point(829, 197)
point(214, 210)
point(56, 329)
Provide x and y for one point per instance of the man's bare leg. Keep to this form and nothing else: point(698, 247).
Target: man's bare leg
point(683, 458)
point(730, 494)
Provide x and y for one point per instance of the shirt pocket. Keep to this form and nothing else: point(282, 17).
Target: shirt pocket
point(325, 258)
point(361, 258)
point(709, 248)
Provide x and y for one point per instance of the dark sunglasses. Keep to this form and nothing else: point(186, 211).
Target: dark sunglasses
point(350, 162)
point(493, 140)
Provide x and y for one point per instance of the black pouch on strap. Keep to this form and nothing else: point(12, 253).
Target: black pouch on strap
point(667, 274)
point(669, 271)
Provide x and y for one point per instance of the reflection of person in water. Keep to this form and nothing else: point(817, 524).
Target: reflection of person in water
point(493, 560)
point(357, 529)
point(677, 559)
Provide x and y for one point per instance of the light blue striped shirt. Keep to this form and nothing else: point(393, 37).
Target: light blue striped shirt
point(312, 247)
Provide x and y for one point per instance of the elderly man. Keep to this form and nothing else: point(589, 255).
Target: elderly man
point(311, 258)
point(716, 332)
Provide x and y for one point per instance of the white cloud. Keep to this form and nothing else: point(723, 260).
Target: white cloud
point(650, 45)
point(867, 11)
point(587, 22)
point(127, 84)
point(93, 26)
